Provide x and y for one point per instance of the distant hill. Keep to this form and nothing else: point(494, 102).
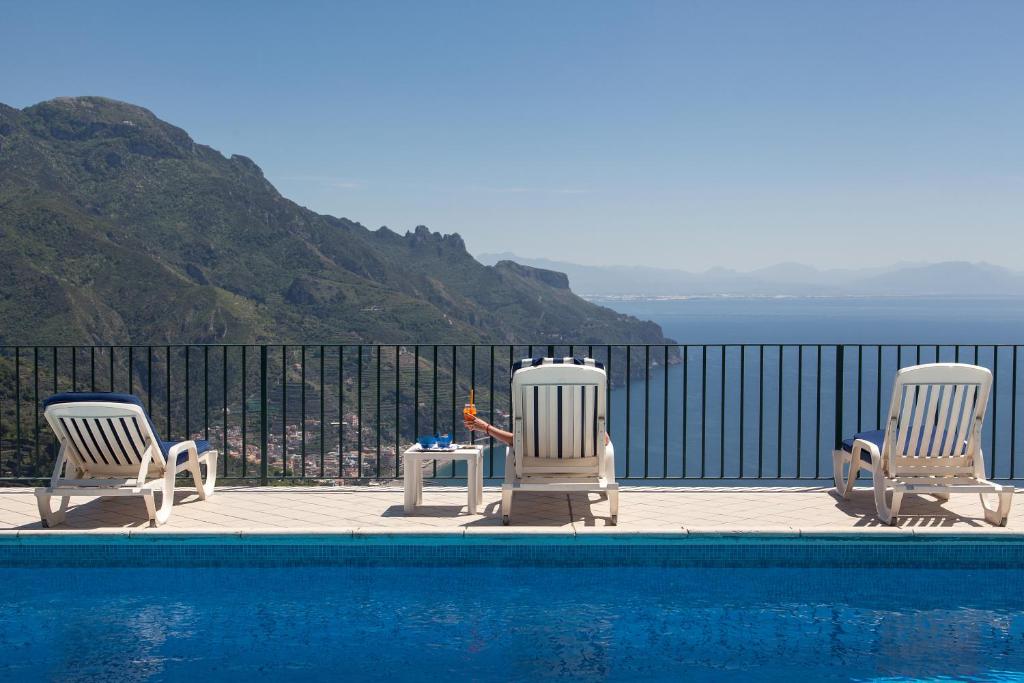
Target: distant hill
point(787, 279)
point(117, 227)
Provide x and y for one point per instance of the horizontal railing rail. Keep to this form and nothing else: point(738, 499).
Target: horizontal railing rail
point(286, 413)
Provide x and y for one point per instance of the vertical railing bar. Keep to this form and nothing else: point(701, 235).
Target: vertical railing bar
point(92, 370)
point(433, 424)
point(245, 410)
point(36, 402)
point(323, 416)
point(956, 353)
point(647, 406)
point(629, 413)
point(703, 408)
point(224, 405)
point(416, 392)
point(149, 378)
point(817, 416)
point(995, 409)
point(1013, 415)
point(380, 350)
point(743, 403)
point(778, 431)
point(167, 378)
point(760, 410)
point(359, 411)
point(799, 406)
point(878, 389)
point(17, 412)
point(860, 388)
point(686, 391)
point(206, 393)
point(455, 372)
point(398, 407)
point(188, 394)
point(284, 412)
point(664, 415)
point(721, 417)
point(472, 381)
point(264, 418)
point(607, 388)
point(839, 396)
point(302, 411)
point(341, 406)
point(490, 439)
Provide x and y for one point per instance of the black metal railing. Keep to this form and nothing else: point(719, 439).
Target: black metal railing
point(282, 413)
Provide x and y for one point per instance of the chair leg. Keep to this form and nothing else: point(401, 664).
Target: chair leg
point(161, 515)
point(887, 512)
point(506, 504)
point(47, 517)
point(204, 488)
point(1001, 512)
point(613, 503)
point(844, 485)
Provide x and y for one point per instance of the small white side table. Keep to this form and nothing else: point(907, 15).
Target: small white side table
point(414, 458)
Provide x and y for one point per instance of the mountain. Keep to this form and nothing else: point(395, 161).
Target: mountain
point(117, 227)
point(785, 279)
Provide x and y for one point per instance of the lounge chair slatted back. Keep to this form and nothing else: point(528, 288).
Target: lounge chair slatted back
point(935, 421)
point(111, 444)
point(559, 421)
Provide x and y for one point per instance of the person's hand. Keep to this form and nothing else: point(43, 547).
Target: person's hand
point(474, 423)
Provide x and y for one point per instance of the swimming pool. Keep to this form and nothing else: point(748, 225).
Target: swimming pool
point(271, 610)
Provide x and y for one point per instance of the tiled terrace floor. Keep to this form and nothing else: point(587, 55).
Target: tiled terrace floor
point(379, 509)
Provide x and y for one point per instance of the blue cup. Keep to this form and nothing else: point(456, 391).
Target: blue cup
point(444, 440)
point(427, 441)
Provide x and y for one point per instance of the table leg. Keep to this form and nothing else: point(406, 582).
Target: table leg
point(409, 484)
point(472, 470)
point(479, 479)
point(419, 481)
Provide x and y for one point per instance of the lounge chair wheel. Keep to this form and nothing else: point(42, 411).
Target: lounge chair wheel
point(504, 520)
point(615, 520)
point(46, 525)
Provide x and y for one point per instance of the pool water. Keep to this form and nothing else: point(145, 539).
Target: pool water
point(504, 623)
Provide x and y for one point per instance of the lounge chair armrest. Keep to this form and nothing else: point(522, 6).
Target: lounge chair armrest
point(860, 445)
point(177, 449)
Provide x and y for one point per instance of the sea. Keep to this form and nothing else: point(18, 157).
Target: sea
point(754, 412)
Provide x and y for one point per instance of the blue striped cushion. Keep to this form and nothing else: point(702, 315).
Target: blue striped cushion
point(567, 360)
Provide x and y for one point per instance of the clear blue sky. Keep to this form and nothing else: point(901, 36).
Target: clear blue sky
point(676, 133)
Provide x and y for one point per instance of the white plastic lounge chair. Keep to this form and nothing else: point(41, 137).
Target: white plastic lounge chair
point(558, 427)
point(931, 442)
point(109, 447)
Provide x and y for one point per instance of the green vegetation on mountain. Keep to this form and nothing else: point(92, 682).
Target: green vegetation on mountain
point(116, 227)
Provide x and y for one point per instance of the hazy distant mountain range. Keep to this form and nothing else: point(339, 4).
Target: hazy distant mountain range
point(117, 227)
point(785, 279)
